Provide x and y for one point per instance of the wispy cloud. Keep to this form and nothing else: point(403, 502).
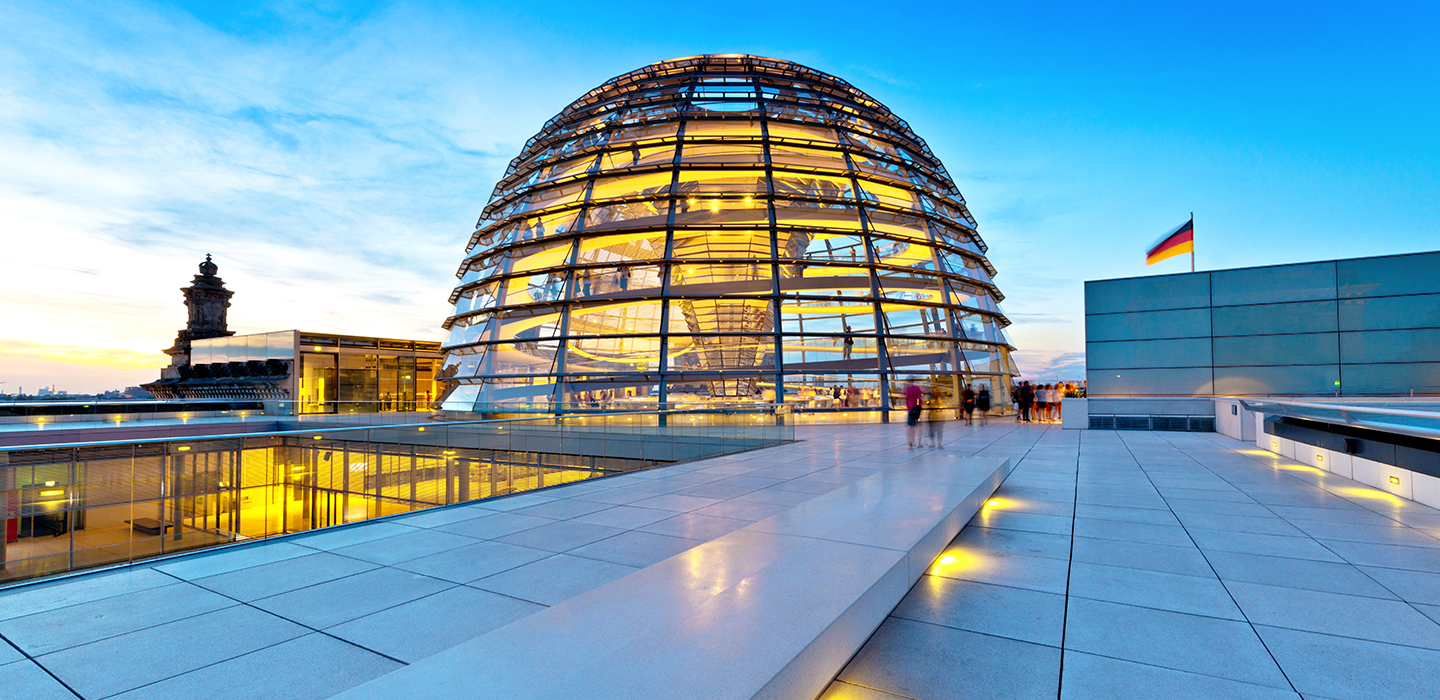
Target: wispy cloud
point(135, 138)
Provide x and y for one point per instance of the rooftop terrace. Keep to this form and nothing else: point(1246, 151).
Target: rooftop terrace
point(1108, 564)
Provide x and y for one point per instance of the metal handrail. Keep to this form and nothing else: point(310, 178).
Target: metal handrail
point(385, 426)
point(1345, 414)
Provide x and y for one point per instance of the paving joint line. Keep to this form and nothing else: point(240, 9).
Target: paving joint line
point(1322, 544)
point(1218, 578)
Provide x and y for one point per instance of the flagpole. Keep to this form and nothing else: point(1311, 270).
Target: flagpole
point(1192, 241)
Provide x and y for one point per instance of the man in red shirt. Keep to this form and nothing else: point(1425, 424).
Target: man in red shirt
point(914, 395)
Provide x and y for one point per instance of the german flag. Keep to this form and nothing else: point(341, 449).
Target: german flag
point(1177, 242)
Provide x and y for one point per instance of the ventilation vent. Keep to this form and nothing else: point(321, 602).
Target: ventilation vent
point(1180, 423)
point(1132, 422)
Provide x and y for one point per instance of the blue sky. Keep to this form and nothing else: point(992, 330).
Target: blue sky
point(333, 156)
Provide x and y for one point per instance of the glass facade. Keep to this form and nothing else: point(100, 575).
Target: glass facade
point(101, 503)
point(723, 229)
point(336, 373)
point(1367, 326)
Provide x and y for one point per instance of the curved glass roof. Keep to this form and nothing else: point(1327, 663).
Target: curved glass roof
point(712, 229)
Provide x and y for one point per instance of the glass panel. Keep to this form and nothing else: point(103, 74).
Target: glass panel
point(827, 316)
point(317, 381)
point(637, 156)
point(644, 133)
point(898, 225)
point(724, 153)
point(695, 246)
point(604, 354)
point(1140, 354)
point(704, 353)
point(706, 279)
point(809, 214)
point(729, 128)
point(731, 210)
point(831, 187)
point(789, 131)
point(622, 248)
point(649, 214)
point(887, 194)
point(616, 319)
point(807, 158)
point(358, 379)
point(1148, 293)
point(826, 280)
point(1390, 275)
point(835, 247)
point(904, 319)
point(1386, 313)
point(1149, 325)
point(643, 185)
point(700, 182)
point(522, 358)
point(525, 324)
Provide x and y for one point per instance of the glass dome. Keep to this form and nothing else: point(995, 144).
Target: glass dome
point(721, 230)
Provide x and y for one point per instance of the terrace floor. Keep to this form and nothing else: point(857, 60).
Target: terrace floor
point(1108, 564)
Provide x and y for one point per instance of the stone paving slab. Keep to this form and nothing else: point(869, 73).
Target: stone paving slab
point(1256, 520)
point(1195, 567)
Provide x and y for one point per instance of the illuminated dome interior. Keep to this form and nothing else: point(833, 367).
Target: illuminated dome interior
point(706, 230)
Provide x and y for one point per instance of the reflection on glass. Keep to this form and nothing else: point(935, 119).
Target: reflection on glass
point(749, 236)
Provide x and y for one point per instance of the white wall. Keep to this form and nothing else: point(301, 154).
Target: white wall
point(1232, 420)
point(1074, 414)
point(1421, 488)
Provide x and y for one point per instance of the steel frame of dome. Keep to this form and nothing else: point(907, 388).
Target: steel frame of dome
point(707, 229)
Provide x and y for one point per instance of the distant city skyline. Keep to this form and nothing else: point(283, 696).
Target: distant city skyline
point(333, 160)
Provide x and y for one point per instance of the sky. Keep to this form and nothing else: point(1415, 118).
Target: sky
point(334, 156)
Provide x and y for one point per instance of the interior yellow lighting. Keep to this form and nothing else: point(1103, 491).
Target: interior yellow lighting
point(296, 469)
point(999, 503)
point(1319, 458)
point(183, 448)
point(1395, 480)
point(56, 492)
point(422, 430)
point(449, 452)
point(1272, 443)
point(49, 483)
point(317, 437)
point(1299, 468)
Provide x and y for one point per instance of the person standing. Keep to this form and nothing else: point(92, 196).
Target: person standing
point(982, 402)
point(1027, 400)
point(935, 424)
point(968, 404)
point(849, 342)
point(913, 396)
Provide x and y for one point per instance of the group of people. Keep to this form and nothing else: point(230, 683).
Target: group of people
point(1036, 403)
point(972, 399)
point(1042, 403)
point(845, 397)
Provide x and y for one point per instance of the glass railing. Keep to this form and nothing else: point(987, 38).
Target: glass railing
point(73, 506)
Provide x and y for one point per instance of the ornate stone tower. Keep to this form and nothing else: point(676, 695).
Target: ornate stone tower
point(207, 299)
